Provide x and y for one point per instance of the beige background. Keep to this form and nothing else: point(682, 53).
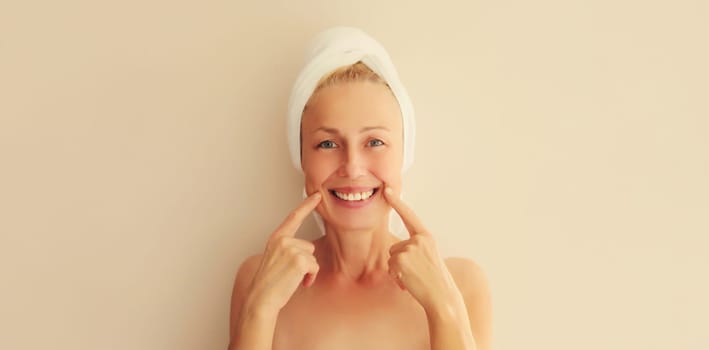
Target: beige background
point(562, 145)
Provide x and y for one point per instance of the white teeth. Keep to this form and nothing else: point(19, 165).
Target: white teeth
point(354, 196)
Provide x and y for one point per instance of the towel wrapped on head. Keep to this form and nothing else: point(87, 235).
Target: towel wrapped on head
point(338, 47)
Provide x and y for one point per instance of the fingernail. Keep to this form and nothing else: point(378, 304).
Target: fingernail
point(388, 190)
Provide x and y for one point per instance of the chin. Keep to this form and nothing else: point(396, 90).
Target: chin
point(355, 221)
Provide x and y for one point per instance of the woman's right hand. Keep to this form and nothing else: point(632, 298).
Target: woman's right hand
point(286, 262)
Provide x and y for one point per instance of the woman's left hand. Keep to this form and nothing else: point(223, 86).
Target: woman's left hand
point(416, 265)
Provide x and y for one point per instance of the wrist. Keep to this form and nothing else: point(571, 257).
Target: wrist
point(449, 326)
point(445, 310)
point(255, 327)
point(443, 313)
point(255, 309)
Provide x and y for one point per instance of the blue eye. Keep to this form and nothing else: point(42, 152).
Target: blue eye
point(375, 143)
point(327, 144)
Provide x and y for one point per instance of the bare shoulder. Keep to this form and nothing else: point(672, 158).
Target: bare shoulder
point(473, 285)
point(242, 282)
point(468, 275)
point(247, 269)
point(245, 275)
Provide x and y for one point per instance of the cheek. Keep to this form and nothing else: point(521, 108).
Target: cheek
point(317, 169)
point(387, 169)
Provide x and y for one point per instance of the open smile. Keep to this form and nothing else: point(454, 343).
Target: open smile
point(354, 197)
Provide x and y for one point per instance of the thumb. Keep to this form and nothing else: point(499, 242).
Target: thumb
point(310, 277)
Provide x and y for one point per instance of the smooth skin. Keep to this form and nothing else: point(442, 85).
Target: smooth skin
point(358, 286)
point(286, 263)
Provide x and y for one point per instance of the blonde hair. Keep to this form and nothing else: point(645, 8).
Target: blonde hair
point(353, 73)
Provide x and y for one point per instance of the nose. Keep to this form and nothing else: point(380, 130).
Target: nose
point(353, 165)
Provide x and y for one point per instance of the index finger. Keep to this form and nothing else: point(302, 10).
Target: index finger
point(290, 225)
point(411, 221)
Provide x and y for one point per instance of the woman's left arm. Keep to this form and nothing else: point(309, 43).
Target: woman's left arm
point(452, 293)
point(473, 286)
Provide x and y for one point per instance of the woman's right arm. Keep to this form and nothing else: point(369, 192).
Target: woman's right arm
point(265, 282)
point(248, 329)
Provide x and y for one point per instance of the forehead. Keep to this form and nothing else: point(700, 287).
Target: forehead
point(352, 106)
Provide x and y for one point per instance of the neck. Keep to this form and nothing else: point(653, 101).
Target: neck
point(355, 255)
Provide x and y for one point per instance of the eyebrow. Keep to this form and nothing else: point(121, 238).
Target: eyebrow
point(337, 132)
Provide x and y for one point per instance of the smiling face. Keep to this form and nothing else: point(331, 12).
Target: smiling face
point(351, 145)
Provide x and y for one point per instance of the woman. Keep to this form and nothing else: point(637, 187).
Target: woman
point(358, 286)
